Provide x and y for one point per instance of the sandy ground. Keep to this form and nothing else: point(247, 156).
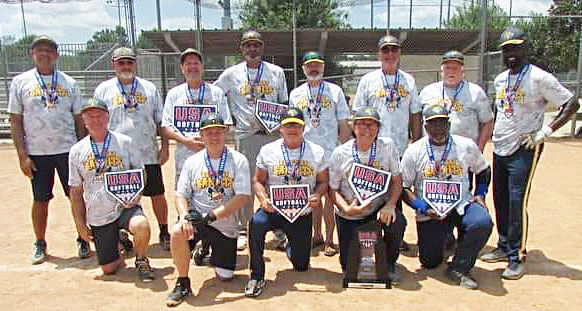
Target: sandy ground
point(553, 280)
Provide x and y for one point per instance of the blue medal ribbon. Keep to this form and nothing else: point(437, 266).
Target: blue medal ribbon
point(317, 102)
point(129, 102)
point(430, 152)
point(292, 169)
point(100, 157)
point(257, 80)
point(392, 91)
point(51, 94)
point(510, 93)
point(372, 157)
point(458, 90)
point(216, 176)
point(201, 91)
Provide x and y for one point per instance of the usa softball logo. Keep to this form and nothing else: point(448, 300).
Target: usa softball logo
point(187, 117)
point(124, 186)
point(442, 196)
point(368, 183)
point(269, 113)
point(290, 200)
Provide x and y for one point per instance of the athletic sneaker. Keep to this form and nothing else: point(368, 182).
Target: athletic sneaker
point(125, 242)
point(199, 255)
point(83, 248)
point(464, 280)
point(145, 272)
point(179, 294)
point(241, 242)
point(280, 240)
point(254, 288)
point(165, 241)
point(39, 254)
point(514, 271)
point(495, 255)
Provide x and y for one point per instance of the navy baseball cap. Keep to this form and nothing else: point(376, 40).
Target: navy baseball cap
point(455, 56)
point(388, 40)
point(312, 57)
point(212, 119)
point(292, 115)
point(94, 103)
point(44, 39)
point(434, 112)
point(367, 113)
point(512, 36)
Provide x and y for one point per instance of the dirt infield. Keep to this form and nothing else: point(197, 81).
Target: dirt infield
point(553, 279)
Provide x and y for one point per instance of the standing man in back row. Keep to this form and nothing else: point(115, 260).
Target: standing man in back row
point(326, 114)
point(523, 93)
point(244, 84)
point(135, 109)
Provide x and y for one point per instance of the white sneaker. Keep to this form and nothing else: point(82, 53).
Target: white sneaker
point(241, 242)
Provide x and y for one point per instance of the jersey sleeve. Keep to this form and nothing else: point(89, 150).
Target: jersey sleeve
point(75, 178)
point(262, 159)
point(223, 108)
point(484, 109)
point(15, 104)
point(335, 173)
point(223, 82)
point(158, 104)
point(167, 114)
point(282, 94)
point(343, 110)
point(408, 169)
point(553, 91)
point(415, 104)
point(361, 98)
point(184, 186)
point(394, 160)
point(242, 180)
point(76, 98)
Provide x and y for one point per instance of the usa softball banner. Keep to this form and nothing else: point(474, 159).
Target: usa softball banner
point(187, 118)
point(124, 186)
point(368, 183)
point(442, 196)
point(290, 200)
point(269, 113)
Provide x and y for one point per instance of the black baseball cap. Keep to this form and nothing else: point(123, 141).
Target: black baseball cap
point(455, 56)
point(44, 39)
point(388, 40)
point(292, 115)
point(123, 53)
point(432, 112)
point(367, 113)
point(512, 36)
point(312, 57)
point(212, 119)
point(94, 103)
point(251, 35)
point(189, 51)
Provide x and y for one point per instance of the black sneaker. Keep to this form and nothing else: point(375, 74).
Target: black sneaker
point(39, 253)
point(495, 255)
point(145, 272)
point(125, 242)
point(179, 294)
point(199, 255)
point(254, 288)
point(464, 280)
point(83, 248)
point(514, 271)
point(165, 241)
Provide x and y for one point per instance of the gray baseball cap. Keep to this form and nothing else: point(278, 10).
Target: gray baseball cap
point(367, 114)
point(388, 40)
point(121, 53)
point(189, 51)
point(94, 103)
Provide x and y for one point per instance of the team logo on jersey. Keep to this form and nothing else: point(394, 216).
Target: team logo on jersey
point(124, 186)
point(290, 200)
point(269, 113)
point(368, 183)
point(442, 196)
point(187, 118)
point(262, 89)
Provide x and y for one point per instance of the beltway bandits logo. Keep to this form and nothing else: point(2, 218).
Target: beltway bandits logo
point(442, 196)
point(124, 186)
point(269, 113)
point(368, 183)
point(290, 200)
point(187, 118)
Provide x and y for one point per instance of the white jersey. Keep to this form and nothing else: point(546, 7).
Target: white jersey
point(321, 120)
point(464, 156)
point(101, 208)
point(139, 123)
point(394, 115)
point(236, 83)
point(468, 110)
point(341, 164)
point(537, 89)
point(48, 128)
point(195, 182)
point(271, 159)
point(179, 96)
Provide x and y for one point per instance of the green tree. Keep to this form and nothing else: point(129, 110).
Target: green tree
point(107, 37)
point(278, 14)
point(469, 18)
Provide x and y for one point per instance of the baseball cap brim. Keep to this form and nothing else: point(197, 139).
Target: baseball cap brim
point(84, 109)
point(251, 39)
point(512, 42)
point(292, 120)
point(458, 60)
point(437, 116)
point(385, 44)
point(190, 52)
point(314, 60)
point(366, 118)
point(124, 57)
point(213, 125)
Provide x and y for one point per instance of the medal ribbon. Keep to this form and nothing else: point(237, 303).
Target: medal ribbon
point(430, 152)
point(372, 154)
point(129, 102)
point(317, 102)
point(291, 169)
point(100, 157)
point(458, 90)
point(510, 93)
point(393, 91)
point(201, 91)
point(52, 94)
point(216, 177)
point(257, 78)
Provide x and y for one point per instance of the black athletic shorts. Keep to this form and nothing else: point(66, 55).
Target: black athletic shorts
point(154, 182)
point(223, 248)
point(44, 176)
point(106, 237)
